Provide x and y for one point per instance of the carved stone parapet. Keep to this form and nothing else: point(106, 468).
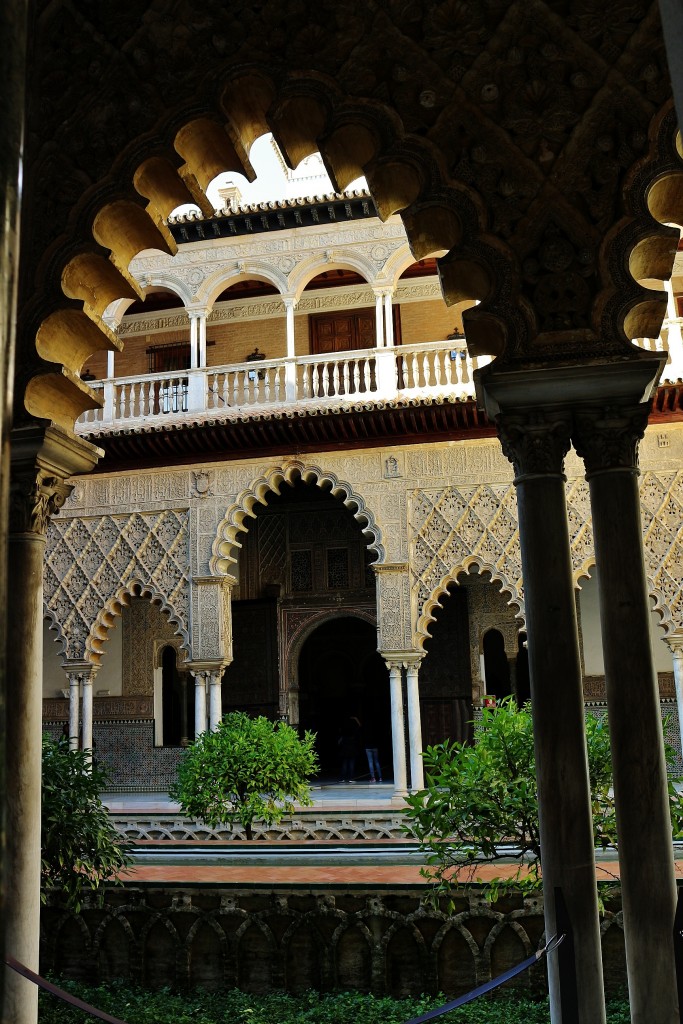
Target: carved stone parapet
point(608, 437)
point(535, 442)
point(42, 460)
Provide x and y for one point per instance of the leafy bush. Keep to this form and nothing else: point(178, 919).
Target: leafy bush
point(81, 848)
point(249, 769)
point(480, 801)
point(138, 1006)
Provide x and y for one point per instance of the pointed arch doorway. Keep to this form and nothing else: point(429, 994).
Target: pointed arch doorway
point(340, 675)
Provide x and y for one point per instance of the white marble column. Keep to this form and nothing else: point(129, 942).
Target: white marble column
point(675, 642)
point(379, 319)
point(87, 712)
point(388, 320)
point(201, 339)
point(200, 723)
point(290, 363)
point(398, 739)
point(215, 699)
point(74, 710)
point(414, 727)
point(194, 340)
point(110, 363)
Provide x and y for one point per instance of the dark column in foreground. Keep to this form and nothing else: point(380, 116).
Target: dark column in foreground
point(607, 439)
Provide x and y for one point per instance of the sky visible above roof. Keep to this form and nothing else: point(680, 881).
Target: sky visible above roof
point(274, 180)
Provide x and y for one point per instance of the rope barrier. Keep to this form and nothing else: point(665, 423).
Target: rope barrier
point(489, 986)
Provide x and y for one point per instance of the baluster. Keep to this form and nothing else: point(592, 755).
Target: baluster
point(235, 388)
point(426, 370)
point(439, 367)
point(336, 378)
point(345, 376)
point(414, 375)
point(325, 384)
point(267, 384)
point(278, 374)
point(359, 374)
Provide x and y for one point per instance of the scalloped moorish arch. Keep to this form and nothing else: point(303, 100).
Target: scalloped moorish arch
point(469, 565)
point(242, 509)
point(661, 605)
point(113, 608)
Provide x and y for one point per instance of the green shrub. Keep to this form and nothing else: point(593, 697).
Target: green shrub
point(139, 1006)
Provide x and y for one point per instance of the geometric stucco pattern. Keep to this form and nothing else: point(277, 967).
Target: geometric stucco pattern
point(661, 497)
point(92, 562)
point(454, 529)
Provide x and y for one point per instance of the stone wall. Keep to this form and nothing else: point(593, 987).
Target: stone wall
point(387, 942)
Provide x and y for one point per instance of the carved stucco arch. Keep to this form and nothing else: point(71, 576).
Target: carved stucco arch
point(237, 516)
point(661, 604)
point(399, 261)
point(471, 564)
point(113, 608)
point(310, 267)
point(239, 270)
point(122, 226)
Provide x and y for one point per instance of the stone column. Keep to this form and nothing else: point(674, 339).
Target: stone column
point(215, 699)
point(536, 443)
point(194, 339)
point(201, 337)
point(379, 319)
point(74, 709)
point(13, 18)
point(388, 320)
point(675, 642)
point(290, 363)
point(414, 726)
point(42, 458)
point(184, 738)
point(607, 439)
point(87, 712)
point(199, 703)
point(398, 738)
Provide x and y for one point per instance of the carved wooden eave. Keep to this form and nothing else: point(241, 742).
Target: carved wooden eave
point(269, 434)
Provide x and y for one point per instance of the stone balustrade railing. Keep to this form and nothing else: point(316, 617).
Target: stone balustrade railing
point(367, 375)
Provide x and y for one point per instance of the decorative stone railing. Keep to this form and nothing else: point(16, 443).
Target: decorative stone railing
point(365, 375)
point(362, 375)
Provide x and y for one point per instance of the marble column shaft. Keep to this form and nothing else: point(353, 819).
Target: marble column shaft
point(536, 443)
point(414, 727)
point(607, 439)
point(398, 739)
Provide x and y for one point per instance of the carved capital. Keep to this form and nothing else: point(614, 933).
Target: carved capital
point(535, 442)
point(35, 495)
point(42, 460)
point(608, 438)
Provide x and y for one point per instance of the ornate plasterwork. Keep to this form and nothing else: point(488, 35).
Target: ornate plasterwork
point(145, 634)
point(394, 608)
point(92, 563)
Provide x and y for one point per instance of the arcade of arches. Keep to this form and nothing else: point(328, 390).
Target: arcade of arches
point(536, 147)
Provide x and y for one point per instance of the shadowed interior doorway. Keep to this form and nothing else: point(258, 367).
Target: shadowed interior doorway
point(342, 675)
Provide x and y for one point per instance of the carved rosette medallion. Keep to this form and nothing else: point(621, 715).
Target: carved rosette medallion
point(535, 443)
point(609, 438)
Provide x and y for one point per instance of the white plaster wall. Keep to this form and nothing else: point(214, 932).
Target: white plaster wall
point(592, 642)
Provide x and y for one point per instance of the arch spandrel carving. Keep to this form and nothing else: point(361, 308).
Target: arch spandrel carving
point(237, 516)
point(93, 565)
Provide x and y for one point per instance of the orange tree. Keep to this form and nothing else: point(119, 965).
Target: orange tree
point(249, 769)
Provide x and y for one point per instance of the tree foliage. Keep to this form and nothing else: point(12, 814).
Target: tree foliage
point(249, 769)
point(480, 802)
point(80, 847)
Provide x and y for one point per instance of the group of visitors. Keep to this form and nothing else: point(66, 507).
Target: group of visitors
point(354, 737)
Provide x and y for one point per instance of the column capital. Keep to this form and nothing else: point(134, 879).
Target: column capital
point(674, 642)
point(535, 441)
point(607, 437)
point(42, 459)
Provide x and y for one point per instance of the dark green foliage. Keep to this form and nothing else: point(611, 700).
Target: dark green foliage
point(80, 848)
point(137, 1006)
point(478, 798)
point(249, 769)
